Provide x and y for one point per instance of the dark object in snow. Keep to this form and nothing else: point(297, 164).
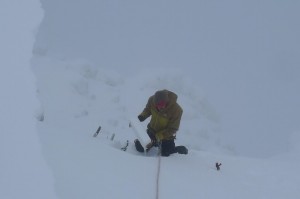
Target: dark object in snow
point(97, 132)
point(125, 147)
point(112, 137)
point(181, 150)
point(218, 166)
point(138, 146)
point(40, 117)
point(167, 147)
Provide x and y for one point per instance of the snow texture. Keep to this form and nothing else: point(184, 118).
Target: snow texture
point(139, 131)
point(23, 169)
point(233, 64)
point(84, 96)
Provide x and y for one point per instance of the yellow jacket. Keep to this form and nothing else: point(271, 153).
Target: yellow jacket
point(166, 121)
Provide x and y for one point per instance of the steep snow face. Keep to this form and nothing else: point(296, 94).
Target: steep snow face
point(94, 96)
point(83, 96)
point(232, 66)
point(77, 97)
point(23, 171)
point(242, 57)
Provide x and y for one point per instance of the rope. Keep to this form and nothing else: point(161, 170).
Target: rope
point(158, 171)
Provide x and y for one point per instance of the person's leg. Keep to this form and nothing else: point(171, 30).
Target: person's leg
point(181, 150)
point(167, 147)
point(153, 140)
point(151, 134)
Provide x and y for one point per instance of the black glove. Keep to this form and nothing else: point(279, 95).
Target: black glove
point(141, 118)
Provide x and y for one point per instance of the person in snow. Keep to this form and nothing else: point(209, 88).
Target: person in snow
point(165, 115)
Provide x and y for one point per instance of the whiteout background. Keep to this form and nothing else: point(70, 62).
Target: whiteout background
point(23, 169)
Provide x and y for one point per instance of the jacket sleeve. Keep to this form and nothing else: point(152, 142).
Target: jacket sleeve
point(175, 119)
point(147, 110)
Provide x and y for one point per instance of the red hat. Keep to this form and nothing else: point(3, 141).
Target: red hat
point(161, 99)
point(160, 105)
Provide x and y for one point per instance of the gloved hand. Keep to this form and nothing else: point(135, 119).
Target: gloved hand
point(150, 145)
point(141, 118)
point(159, 136)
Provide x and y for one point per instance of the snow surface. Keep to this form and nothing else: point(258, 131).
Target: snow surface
point(23, 169)
point(234, 66)
point(77, 97)
point(241, 59)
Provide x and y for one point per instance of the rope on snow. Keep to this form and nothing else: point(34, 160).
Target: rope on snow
point(158, 170)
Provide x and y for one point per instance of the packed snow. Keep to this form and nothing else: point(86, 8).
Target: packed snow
point(78, 97)
point(241, 56)
point(233, 65)
point(23, 169)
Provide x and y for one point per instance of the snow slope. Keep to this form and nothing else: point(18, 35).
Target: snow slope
point(241, 56)
point(233, 64)
point(23, 170)
point(77, 97)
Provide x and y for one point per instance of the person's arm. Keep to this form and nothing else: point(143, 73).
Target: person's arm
point(147, 110)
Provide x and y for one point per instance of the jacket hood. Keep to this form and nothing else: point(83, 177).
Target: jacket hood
point(168, 96)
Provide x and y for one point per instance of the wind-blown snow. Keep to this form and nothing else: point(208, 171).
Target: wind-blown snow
point(23, 169)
